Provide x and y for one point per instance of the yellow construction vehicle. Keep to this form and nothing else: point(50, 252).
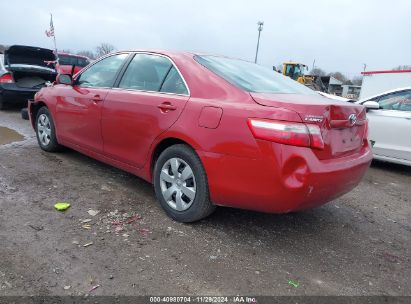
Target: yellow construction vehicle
point(296, 71)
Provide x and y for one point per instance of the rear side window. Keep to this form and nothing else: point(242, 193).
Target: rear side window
point(67, 60)
point(153, 73)
point(145, 72)
point(400, 101)
point(102, 73)
point(252, 77)
point(82, 62)
point(73, 60)
point(174, 83)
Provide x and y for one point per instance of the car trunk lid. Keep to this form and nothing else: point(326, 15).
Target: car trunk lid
point(342, 124)
point(18, 57)
point(31, 67)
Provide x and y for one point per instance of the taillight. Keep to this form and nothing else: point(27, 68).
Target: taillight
point(6, 78)
point(288, 133)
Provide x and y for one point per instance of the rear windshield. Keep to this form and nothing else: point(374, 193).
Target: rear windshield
point(73, 60)
point(252, 77)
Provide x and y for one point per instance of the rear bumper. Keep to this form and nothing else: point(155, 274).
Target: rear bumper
point(12, 94)
point(283, 178)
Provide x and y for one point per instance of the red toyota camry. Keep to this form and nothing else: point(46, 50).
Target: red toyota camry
point(206, 131)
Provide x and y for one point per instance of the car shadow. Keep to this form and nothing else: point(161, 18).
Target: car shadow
point(395, 168)
point(14, 108)
point(231, 217)
point(316, 224)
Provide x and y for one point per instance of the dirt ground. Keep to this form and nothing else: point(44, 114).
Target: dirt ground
point(358, 244)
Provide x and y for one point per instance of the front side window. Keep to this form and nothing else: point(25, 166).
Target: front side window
point(400, 101)
point(252, 77)
point(103, 73)
point(154, 73)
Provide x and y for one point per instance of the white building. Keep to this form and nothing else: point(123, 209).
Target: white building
point(375, 82)
point(350, 91)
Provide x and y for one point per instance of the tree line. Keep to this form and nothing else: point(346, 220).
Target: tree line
point(106, 48)
point(100, 50)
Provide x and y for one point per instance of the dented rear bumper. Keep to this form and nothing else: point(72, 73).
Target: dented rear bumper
point(282, 178)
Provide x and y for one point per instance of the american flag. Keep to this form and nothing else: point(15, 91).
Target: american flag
point(50, 32)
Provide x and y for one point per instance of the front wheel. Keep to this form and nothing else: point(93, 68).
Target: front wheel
point(180, 184)
point(46, 132)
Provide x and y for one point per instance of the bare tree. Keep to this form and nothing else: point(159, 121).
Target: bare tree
point(68, 51)
point(338, 75)
point(2, 48)
point(104, 48)
point(357, 80)
point(403, 67)
point(86, 53)
point(317, 72)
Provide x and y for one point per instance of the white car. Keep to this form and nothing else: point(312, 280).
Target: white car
point(389, 116)
point(332, 96)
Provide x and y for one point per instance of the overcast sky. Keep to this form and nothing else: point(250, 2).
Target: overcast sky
point(339, 34)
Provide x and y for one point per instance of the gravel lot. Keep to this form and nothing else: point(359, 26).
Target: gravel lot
point(358, 244)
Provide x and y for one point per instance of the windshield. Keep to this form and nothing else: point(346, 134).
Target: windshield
point(252, 77)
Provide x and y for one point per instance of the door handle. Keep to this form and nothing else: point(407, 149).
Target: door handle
point(96, 98)
point(166, 106)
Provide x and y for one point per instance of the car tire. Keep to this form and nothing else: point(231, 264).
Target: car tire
point(178, 173)
point(46, 131)
point(25, 114)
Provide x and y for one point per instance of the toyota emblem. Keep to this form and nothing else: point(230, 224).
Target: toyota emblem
point(353, 119)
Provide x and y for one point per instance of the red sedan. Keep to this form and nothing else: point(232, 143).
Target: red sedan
point(68, 61)
point(207, 131)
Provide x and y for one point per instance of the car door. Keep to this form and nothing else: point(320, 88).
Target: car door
point(78, 109)
point(146, 101)
point(390, 126)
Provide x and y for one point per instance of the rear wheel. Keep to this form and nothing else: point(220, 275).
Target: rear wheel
point(180, 183)
point(46, 132)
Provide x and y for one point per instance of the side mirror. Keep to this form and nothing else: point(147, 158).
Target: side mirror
point(371, 105)
point(64, 79)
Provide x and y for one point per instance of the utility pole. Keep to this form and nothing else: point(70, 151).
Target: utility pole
point(260, 28)
point(365, 66)
point(313, 65)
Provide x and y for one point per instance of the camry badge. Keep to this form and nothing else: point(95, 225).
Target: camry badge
point(353, 119)
point(313, 118)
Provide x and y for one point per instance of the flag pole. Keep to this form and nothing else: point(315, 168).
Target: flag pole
point(54, 37)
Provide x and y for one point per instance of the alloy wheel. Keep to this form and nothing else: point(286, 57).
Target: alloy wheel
point(44, 129)
point(178, 184)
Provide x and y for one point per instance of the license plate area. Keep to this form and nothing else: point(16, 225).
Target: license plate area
point(345, 140)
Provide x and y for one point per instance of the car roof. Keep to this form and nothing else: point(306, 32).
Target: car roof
point(72, 55)
point(176, 54)
point(383, 93)
point(170, 53)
